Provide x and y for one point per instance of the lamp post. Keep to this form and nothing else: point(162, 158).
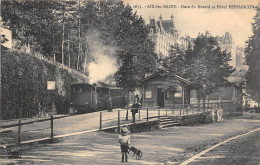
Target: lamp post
point(0, 80)
point(0, 70)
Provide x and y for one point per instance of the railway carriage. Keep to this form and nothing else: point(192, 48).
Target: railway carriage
point(86, 98)
point(83, 97)
point(119, 97)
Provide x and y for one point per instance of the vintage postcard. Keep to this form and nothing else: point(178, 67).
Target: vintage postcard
point(130, 82)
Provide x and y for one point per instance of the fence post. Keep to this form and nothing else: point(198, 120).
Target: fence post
point(180, 111)
point(19, 131)
point(159, 113)
point(118, 117)
point(51, 126)
point(211, 108)
point(126, 118)
point(147, 115)
point(100, 123)
point(139, 113)
point(212, 112)
point(198, 107)
point(208, 104)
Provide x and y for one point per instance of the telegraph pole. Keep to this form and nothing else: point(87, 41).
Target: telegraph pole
point(0, 69)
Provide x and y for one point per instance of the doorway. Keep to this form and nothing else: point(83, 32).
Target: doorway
point(160, 97)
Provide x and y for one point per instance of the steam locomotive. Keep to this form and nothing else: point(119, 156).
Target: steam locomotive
point(86, 98)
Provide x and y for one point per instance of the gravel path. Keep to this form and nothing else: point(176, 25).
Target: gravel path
point(169, 145)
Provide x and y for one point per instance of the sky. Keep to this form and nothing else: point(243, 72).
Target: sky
point(191, 21)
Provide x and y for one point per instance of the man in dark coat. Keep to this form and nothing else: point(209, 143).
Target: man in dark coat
point(134, 110)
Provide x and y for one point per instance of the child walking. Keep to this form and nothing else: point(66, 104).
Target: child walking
point(124, 140)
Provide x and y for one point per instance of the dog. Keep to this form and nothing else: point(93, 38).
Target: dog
point(137, 153)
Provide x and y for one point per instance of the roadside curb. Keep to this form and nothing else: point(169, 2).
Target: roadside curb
point(188, 156)
point(217, 145)
point(33, 121)
point(45, 140)
point(44, 119)
point(49, 140)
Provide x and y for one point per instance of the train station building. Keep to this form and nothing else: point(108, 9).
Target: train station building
point(157, 90)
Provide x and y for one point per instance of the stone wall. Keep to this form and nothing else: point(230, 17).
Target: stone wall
point(202, 118)
point(24, 86)
point(135, 127)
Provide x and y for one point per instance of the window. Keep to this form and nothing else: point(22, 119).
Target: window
point(115, 92)
point(77, 89)
point(151, 30)
point(166, 95)
point(148, 94)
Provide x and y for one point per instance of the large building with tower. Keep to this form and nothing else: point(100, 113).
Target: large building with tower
point(164, 34)
point(226, 43)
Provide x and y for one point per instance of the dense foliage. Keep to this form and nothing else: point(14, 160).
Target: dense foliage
point(24, 85)
point(252, 53)
point(203, 64)
point(209, 68)
point(62, 29)
point(32, 23)
point(175, 63)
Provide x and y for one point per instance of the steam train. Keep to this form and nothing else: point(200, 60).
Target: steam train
point(86, 98)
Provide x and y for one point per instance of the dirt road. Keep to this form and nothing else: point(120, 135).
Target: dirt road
point(174, 145)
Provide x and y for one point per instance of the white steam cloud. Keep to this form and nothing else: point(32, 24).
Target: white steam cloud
point(103, 67)
point(103, 63)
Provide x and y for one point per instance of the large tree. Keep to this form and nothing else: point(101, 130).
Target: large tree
point(32, 23)
point(124, 30)
point(60, 29)
point(252, 53)
point(175, 63)
point(209, 66)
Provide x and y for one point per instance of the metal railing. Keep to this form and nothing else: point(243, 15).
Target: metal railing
point(153, 113)
point(45, 127)
point(43, 130)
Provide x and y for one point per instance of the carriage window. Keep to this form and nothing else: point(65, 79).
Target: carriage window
point(112, 92)
point(115, 92)
point(98, 90)
point(85, 89)
point(77, 89)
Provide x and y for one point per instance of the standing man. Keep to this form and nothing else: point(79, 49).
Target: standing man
point(134, 109)
point(110, 106)
point(137, 99)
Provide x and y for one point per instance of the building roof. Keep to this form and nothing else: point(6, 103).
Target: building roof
point(225, 39)
point(164, 72)
point(228, 38)
point(168, 25)
point(152, 22)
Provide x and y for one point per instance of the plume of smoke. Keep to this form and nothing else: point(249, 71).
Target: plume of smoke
point(103, 63)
